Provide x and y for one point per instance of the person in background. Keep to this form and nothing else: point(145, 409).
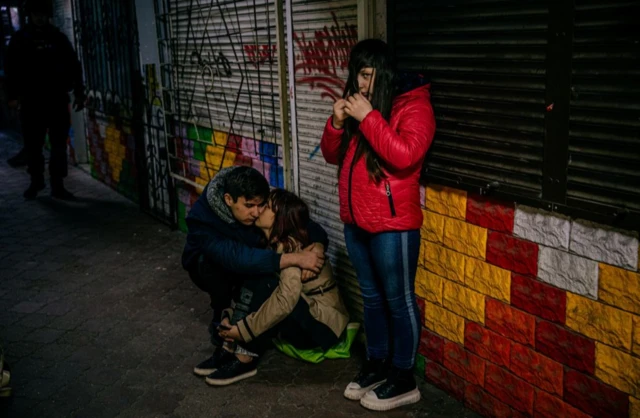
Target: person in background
point(41, 68)
point(378, 136)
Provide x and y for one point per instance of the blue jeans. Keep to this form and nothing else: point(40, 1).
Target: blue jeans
point(386, 265)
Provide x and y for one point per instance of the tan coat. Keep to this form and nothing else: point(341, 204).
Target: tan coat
point(326, 307)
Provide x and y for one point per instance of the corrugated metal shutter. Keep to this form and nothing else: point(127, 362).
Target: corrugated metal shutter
point(223, 76)
point(63, 17)
point(324, 33)
point(604, 130)
point(486, 60)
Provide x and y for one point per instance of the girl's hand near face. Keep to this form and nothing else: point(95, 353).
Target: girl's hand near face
point(358, 107)
point(339, 116)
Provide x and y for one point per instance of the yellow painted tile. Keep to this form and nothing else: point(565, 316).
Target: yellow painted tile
point(447, 201)
point(464, 301)
point(599, 321)
point(635, 407)
point(423, 246)
point(619, 287)
point(444, 323)
point(488, 279)
point(618, 369)
point(229, 159)
point(635, 345)
point(429, 286)
point(432, 227)
point(444, 262)
point(465, 238)
point(220, 138)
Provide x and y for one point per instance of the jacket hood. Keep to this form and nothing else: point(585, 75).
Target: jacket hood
point(412, 80)
point(215, 196)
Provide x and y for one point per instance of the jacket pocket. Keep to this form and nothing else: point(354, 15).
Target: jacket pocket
point(392, 207)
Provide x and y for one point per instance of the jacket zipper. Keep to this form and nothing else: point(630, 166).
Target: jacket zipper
point(353, 218)
point(387, 186)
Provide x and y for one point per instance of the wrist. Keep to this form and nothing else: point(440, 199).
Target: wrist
point(287, 260)
point(337, 125)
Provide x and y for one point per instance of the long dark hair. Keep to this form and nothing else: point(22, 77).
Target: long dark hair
point(376, 54)
point(291, 220)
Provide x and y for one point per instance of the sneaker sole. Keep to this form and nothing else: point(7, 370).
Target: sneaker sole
point(203, 372)
point(375, 404)
point(225, 382)
point(357, 394)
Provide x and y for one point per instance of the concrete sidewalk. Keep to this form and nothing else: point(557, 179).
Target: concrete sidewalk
point(98, 319)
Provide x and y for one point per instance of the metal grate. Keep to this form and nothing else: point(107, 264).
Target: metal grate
point(220, 81)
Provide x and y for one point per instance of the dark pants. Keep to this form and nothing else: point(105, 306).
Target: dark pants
point(220, 287)
point(38, 117)
point(299, 328)
point(386, 265)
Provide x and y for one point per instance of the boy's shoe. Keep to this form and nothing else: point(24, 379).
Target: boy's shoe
point(232, 371)
point(211, 364)
point(399, 389)
point(372, 374)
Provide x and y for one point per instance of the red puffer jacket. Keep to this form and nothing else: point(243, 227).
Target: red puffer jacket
point(401, 145)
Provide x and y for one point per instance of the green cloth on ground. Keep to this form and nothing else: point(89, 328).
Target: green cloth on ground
point(342, 349)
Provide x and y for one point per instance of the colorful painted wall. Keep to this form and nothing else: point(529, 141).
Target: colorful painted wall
point(202, 152)
point(528, 313)
point(112, 154)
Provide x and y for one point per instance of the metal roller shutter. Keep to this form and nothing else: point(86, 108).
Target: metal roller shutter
point(324, 33)
point(486, 60)
point(223, 76)
point(604, 123)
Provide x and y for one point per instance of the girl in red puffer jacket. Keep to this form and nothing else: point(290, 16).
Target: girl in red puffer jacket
point(378, 136)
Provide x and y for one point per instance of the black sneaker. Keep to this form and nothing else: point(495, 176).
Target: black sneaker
point(211, 364)
point(34, 188)
point(399, 389)
point(372, 374)
point(232, 371)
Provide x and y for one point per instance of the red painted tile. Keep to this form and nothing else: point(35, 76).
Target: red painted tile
point(548, 406)
point(431, 346)
point(234, 143)
point(463, 363)
point(490, 213)
point(444, 379)
point(243, 160)
point(479, 400)
point(509, 322)
point(594, 397)
point(536, 369)
point(538, 298)
point(487, 344)
point(512, 253)
point(566, 347)
point(509, 389)
point(422, 307)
